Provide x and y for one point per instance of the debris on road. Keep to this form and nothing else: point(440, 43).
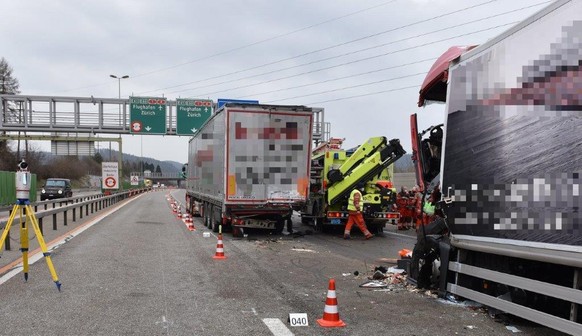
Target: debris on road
point(381, 269)
point(396, 270)
point(374, 284)
point(382, 277)
point(512, 329)
point(378, 275)
point(388, 260)
point(405, 253)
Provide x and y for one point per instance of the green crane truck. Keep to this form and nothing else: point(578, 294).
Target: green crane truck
point(335, 172)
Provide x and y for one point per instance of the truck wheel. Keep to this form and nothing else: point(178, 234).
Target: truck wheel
point(415, 264)
point(237, 232)
point(206, 214)
point(377, 229)
point(213, 222)
point(279, 226)
point(317, 224)
point(199, 209)
point(421, 265)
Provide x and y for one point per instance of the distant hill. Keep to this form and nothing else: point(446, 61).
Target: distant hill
point(165, 166)
point(404, 164)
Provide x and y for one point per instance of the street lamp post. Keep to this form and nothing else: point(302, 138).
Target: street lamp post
point(119, 158)
point(119, 78)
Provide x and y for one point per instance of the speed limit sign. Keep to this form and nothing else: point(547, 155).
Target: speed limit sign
point(110, 175)
point(110, 182)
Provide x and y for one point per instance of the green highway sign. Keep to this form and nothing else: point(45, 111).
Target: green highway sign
point(191, 114)
point(147, 115)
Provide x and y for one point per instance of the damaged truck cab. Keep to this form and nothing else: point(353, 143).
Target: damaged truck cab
point(509, 167)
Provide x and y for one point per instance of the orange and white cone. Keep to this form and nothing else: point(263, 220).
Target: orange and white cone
point(219, 248)
point(330, 314)
point(190, 223)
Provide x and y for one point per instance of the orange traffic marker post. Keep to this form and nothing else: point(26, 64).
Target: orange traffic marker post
point(219, 246)
point(330, 313)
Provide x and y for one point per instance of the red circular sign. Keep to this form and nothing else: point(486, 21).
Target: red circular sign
point(156, 101)
point(110, 182)
point(136, 126)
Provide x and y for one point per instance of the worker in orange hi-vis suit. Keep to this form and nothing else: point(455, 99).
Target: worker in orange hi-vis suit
point(355, 215)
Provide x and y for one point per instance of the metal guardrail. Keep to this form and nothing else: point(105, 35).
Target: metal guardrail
point(92, 203)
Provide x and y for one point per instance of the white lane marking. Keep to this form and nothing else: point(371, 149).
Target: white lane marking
point(303, 250)
point(165, 323)
point(56, 244)
point(277, 327)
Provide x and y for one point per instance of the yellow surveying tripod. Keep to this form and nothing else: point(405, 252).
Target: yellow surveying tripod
point(27, 217)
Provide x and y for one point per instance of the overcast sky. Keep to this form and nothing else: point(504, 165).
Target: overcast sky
point(362, 61)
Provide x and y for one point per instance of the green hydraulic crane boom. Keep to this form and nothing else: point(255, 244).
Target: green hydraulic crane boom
point(369, 160)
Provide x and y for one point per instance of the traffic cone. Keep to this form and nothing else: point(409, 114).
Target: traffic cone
point(190, 223)
point(330, 314)
point(219, 249)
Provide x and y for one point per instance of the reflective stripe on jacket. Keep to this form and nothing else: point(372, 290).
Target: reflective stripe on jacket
point(351, 206)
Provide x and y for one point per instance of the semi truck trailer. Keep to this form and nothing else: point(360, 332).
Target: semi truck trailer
point(248, 166)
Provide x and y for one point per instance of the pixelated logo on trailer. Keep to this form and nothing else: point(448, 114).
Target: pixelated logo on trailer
point(288, 132)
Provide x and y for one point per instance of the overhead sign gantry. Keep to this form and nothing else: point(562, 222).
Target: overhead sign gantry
point(67, 116)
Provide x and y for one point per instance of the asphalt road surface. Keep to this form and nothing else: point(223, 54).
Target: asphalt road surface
point(136, 269)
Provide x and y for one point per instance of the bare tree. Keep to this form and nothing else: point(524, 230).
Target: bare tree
point(8, 85)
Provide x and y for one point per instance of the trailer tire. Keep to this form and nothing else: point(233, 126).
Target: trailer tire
point(237, 232)
point(204, 209)
point(279, 226)
point(199, 209)
point(208, 215)
point(214, 222)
